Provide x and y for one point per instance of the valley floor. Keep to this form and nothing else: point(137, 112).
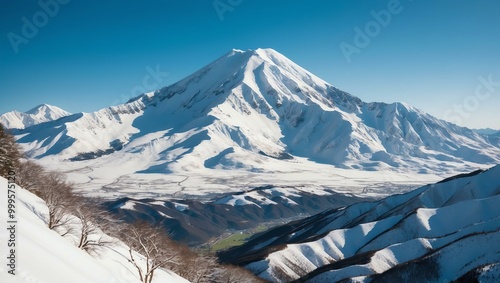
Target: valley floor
point(99, 180)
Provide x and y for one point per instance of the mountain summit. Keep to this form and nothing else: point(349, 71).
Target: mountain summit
point(250, 107)
point(40, 114)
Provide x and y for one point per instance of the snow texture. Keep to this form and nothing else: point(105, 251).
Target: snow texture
point(44, 256)
point(250, 108)
point(447, 225)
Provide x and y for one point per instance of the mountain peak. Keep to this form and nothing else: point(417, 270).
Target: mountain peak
point(268, 55)
point(258, 50)
point(44, 108)
point(257, 104)
point(48, 111)
point(39, 114)
point(236, 50)
point(263, 77)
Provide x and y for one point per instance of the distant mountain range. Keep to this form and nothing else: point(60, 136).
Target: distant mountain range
point(40, 114)
point(438, 233)
point(248, 107)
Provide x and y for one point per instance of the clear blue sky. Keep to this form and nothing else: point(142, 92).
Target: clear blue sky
point(90, 54)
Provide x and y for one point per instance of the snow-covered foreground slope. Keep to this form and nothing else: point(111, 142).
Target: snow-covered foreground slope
point(45, 256)
point(437, 233)
point(256, 111)
point(40, 114)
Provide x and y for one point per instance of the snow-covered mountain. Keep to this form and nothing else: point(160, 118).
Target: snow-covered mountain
point(437, 233)
point(45, 256)
point(249, 107)
point(40, 114)
point(197, 222)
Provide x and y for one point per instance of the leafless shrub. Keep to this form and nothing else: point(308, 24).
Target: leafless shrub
point(197, 268)
point(10, 154)
point(92, 221)
point(159, 251)
point(234, 274)
point(29, 175)
point(152, 243)
point(59, 197)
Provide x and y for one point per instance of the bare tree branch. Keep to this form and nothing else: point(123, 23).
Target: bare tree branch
point(59, 197)
point(92, 221)
point(154, 244)
point(10, 153)
point(29, 175)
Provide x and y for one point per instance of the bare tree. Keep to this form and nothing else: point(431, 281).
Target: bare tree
point(80, 216)
point(158, 250)
point(235, 274)
point(204, 268)
point(29, 175)
point(197, 268)
point(154, 244)
point(59, 197)
point(92, 222)
point(9, 153)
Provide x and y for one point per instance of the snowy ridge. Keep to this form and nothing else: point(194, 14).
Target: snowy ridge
point(40, 114)
point(445, 225)
point(83, 132)
point(268, 195)
point(198, 222)
point(249, 108)
point(44, 256)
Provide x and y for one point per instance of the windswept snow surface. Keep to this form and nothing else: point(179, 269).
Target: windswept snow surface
point(254, 113)
point(40, 114)
point(43, 256)
point(437, 233)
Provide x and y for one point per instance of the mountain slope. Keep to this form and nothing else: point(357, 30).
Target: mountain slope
point(197, 222)
point(250, 107)
point(45, 256)
point(441, 228)
point(40, 114)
